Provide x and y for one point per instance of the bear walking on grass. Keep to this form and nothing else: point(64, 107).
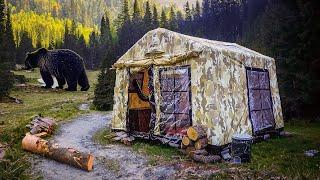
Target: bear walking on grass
point(65, 65)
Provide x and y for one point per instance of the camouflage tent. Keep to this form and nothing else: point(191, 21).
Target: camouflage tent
point(169, 81)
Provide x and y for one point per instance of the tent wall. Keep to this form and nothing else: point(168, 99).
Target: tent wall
point(120, 106)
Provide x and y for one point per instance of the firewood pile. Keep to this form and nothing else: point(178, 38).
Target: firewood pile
point(194, 145)
point(42, 126)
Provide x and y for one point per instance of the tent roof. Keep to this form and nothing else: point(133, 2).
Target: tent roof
point(217, 45)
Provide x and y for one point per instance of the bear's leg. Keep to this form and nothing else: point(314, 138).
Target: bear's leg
point(72, 84)
point(83, 81)
point(47, 78)
point(61, 82)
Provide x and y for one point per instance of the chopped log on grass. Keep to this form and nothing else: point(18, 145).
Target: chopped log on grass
point(201, 143)
point(186, 141)
point(51, 150)
point(196, 132)
point(205, 159)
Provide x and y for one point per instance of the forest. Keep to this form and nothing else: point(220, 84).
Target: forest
point(285, 30)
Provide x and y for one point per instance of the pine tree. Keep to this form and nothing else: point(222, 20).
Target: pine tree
point(24, 47)
point(147, 19)
point(155, 18)
point(188, 12)
point(6, 80)
point(163, 19)
point(10, 44)
point(173, 23)
point(125, 31)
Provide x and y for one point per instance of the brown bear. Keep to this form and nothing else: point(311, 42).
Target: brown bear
point(65, 65)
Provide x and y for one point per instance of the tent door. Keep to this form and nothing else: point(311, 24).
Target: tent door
point(139, 106)
point(260, 100)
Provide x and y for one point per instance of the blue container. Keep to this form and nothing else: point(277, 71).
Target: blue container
point(241, 147)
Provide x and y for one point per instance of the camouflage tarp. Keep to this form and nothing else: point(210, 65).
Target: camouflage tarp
point(219, 94)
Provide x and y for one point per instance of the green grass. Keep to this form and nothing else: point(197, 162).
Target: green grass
point(57, 104)
point(282, 157)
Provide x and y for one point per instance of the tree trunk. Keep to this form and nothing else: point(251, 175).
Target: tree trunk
point(52, 150)
point(196, 132)
point(201, 143)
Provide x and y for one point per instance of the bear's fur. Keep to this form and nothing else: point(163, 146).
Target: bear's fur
point(65, 65)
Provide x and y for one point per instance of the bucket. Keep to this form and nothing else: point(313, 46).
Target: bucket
point(241, 147)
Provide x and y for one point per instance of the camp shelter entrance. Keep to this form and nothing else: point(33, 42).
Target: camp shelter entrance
point(139, 106)
point(175, 99)
point(260, 101)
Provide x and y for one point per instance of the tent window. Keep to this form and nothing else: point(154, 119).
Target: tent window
point(175, 99)
point(260, 101)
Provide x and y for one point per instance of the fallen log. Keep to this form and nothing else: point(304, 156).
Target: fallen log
point(201, 143)
point(205, 159)
point(196, 132)
point(52, 150)
point(186, 141)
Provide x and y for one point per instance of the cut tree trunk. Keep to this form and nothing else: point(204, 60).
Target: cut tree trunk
point(186, 141)
point(201, 143)
point(196, 132)
point(205, 159)
point(69, 156)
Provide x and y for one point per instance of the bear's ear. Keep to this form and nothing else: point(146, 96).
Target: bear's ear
point(42, 50)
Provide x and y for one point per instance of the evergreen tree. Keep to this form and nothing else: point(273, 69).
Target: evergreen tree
point(147, 19)
point(24, 47)
point(163, 19)
point(105, 30)
point(188, 12)
point(10, 44)
point(6, 80)
point(125, 31)
point(173, 23)
point(155, 18)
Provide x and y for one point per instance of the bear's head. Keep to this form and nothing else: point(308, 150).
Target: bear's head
point(33, 58)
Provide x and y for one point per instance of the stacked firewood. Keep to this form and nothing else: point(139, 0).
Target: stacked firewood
point(42, 125)
point(194, 145)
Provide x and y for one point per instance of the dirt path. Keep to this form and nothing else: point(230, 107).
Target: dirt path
point(112, 161)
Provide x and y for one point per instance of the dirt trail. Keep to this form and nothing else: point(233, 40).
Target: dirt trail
point(111, 161)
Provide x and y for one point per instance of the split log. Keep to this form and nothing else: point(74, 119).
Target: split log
point(51, 150)
point(186, 141)
point(206, 159)
point(39, 125)
point(196, 132)
point(201, 143)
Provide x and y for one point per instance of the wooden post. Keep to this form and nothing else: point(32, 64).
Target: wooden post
point(69, 156)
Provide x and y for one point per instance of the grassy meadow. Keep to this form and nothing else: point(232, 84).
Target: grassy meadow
point(57, 104)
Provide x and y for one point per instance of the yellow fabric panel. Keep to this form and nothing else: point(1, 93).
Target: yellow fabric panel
point(136, 103)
